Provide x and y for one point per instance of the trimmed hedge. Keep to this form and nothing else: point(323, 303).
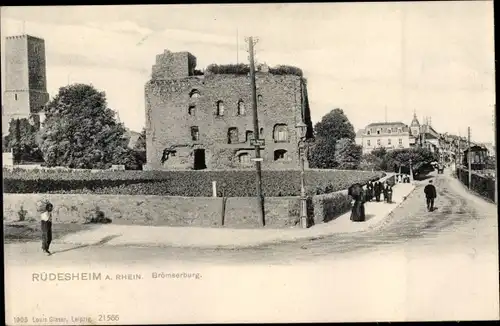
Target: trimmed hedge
point(329, 206)
point(181, 183)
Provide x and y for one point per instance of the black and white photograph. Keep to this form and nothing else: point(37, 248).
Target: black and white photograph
point(263, 162)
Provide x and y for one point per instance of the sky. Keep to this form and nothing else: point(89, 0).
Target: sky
point(376, 61)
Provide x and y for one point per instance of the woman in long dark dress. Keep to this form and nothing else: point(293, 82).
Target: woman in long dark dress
point(358, 210)
point(369, 191)
point(377, 190)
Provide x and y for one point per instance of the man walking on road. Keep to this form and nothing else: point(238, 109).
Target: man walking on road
point(430, 195)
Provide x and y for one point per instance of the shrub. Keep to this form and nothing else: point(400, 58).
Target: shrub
point(182, 183)
point(329, 206)
point(244, 69)
point(97, 216)
point(286, 70)
point(21, 214)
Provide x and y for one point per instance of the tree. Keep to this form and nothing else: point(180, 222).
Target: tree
point(322, 154)
point(80, 131)
point(335, 125)
point(370, 162)
point(140, 144)
point(22, 141)
point(140, 149)
point(380, 152)
point(401, 157)
point(347, 154)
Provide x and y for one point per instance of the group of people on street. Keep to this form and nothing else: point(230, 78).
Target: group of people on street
point(360, 196)
point(403, 178)
point(377, 189)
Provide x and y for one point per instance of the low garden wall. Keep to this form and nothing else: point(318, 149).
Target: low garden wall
point(132, 199)
point(482, 185)
point(156, 210)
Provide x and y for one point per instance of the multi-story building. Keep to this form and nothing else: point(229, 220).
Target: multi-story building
point(394, 135)
point(25, 80)
point(205, 121)
point(388, 135)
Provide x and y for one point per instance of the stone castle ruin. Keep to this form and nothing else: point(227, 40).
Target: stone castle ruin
point(198, 121)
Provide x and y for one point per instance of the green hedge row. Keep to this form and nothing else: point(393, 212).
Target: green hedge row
point(181, 183)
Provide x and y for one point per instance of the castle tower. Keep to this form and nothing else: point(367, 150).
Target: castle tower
point(25, 77)
point(174, 65)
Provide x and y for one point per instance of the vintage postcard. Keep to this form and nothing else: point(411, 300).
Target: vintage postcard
point(230, 163)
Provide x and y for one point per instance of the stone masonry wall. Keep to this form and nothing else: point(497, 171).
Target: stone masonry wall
point(25, 81)
point(169, 123)
point(171, 65)
point(157, 210)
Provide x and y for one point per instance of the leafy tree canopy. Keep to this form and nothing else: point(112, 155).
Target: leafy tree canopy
point(335, 125)
point(322, 154)
point(80, 131)
point(140, 144)
point(22, 140)
point(347, 154)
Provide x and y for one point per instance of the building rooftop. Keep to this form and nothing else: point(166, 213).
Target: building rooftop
point(396, 123)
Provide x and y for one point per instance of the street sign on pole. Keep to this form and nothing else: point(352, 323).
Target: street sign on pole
point(257, 159)
point(257, 142)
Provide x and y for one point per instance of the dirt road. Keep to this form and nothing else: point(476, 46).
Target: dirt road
point(419, 265)
point(462, 222)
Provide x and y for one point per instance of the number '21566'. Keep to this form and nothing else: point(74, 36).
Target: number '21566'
point(109, 317)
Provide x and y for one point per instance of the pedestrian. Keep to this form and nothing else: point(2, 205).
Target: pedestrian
point(400, 179)
point(384, 190)
point(358, 208)
point(430, 195)
point(388, 192)
point(377, 188)
point(369, 191)
point(45, 208)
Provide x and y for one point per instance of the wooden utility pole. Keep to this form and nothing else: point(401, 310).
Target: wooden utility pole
point(257, 142)
point(469, 157)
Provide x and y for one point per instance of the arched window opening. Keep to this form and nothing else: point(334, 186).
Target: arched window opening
point(259, 98)
point(220, 108)
point(280, 133)
point(192, 110)
point(261, 132)
point(232, 135)
point(194, 93)
point(195, 133)
point(280, 155)
point(249, 135)
point(244, 158)
point(241, 107)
